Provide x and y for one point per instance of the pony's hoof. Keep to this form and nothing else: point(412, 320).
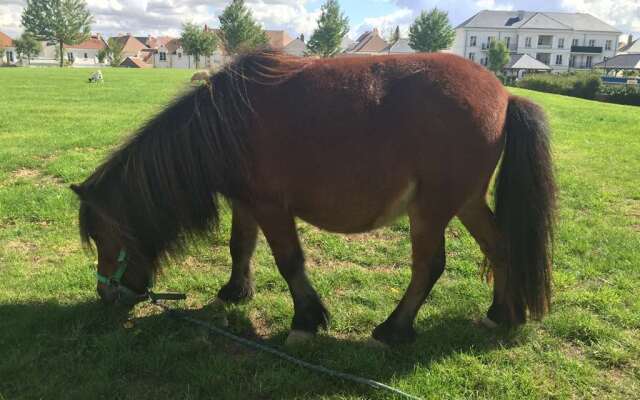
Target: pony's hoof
point(296, 338)
point(488, 323)
point(376, 344)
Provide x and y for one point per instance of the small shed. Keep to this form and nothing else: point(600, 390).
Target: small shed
point(521, 64)
point(134, 62)
point(620, 63)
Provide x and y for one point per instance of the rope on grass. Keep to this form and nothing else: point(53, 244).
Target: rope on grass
point(304, 364)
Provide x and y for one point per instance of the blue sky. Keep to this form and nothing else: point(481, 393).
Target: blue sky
point(158, 17)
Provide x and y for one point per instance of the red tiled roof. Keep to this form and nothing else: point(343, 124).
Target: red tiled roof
point(130, 44)
point(5, 41)
point(94, 42)
point(278, 39)
point(369, 42)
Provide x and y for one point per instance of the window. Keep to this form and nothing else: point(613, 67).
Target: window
point(472, 56)
point(559, 59)
point(561, 43)
point(10, 56)
point(86, 56)
point(473, 42)
point(575, 42)
point(592, 43)
point(163, 56)
point(572, 61)
point(527, 42)
point(589, 61)
point(507, 42)
point(70, 56)
point(179, 55)
point(544, 58)
point(545, 41)
point(607, 45)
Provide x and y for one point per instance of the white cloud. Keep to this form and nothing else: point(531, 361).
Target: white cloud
point(386, 23)
point(623, 14)
point(165, 17)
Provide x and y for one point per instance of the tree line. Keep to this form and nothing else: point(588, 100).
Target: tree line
point(68, 22)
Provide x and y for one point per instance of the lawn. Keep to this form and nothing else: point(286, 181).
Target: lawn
point(57, 342)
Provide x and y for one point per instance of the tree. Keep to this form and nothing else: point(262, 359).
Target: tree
point(395, 36)
point(498, 56)
point(197, 42)
point(27, 46)
point(114, 51)
point(238, 29)
point(431, 31)
point(103, 54)
point(58, 21)
point(333, 26)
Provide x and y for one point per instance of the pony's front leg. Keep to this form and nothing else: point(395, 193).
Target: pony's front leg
point(428, 252)
point(244, 234)
point(279, 228)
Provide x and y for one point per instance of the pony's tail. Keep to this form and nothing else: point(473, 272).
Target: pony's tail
point(525, 200)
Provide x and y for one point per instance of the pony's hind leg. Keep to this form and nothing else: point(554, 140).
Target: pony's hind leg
point(479, 220)
point(279, 228)
point(428, 263)
point(244, 234)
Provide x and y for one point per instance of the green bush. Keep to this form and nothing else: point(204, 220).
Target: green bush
point(582, 84)
point(622, 94)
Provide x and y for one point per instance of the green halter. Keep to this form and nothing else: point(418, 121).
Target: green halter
point(127, 296)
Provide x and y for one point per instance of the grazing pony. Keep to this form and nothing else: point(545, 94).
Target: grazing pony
point(348, 145)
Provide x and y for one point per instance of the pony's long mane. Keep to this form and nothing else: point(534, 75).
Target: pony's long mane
point(162, 185)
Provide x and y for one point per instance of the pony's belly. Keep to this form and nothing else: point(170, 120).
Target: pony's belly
point(351, 217)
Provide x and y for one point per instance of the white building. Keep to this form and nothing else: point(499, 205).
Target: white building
point(85, 54)
point(563, 41)
point(8, 55)
point(172, 55)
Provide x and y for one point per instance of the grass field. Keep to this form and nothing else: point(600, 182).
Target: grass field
point(57, 342)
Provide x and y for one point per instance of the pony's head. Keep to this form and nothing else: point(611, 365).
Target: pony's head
point(123, 273)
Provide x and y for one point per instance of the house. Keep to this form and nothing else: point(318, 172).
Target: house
point(85, 54)
point(631, 47)
point(131, 46)
point(296, 47)
point(400, 46)
point(563, 41)
point(369, 43)
point(172, 55)
point(278, 39)
point(9, 56)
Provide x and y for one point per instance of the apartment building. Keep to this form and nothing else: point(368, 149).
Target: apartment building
point(563, 41)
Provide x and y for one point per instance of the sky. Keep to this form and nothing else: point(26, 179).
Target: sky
point(165, 17)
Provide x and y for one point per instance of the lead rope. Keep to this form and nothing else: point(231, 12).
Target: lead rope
point(257, 346)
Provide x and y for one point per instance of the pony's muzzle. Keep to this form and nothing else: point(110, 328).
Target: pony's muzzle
point(108, 294)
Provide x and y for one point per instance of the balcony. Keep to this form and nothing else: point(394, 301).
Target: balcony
point(586, 49)
point(511, 47)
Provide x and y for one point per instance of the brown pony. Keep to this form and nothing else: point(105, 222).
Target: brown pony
point(348, 145)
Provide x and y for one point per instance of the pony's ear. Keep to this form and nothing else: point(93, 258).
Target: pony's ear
point(79, 190)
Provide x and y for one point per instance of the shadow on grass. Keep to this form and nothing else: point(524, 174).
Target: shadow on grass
point(86, 350)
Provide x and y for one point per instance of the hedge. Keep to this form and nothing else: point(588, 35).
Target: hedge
point(584, 85)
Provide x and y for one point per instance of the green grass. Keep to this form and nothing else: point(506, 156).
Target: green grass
point(57, 342)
